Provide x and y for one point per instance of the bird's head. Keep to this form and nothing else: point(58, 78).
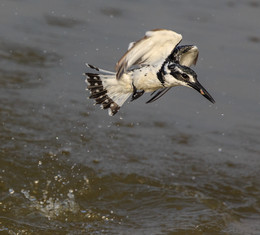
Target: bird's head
point(179, 75)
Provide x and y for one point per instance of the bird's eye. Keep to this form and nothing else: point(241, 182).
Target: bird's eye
point(184, 75)
point(171, 66)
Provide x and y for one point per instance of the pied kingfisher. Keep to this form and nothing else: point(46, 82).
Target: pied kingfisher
point(154, 64)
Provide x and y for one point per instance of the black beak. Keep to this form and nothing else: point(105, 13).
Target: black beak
point(198, 87)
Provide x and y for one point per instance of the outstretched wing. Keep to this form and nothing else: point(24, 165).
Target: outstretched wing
point(186, 55)
point(190, 57)
point(154, 46)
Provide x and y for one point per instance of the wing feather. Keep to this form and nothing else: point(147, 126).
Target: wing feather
point(186, 55)
point(158, 94)
point(153, 47)
point(190, 57)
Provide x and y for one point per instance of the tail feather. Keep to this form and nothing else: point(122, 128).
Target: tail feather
point(98, 69)
point(104, 89)
point(101, 99)
point(97, 93)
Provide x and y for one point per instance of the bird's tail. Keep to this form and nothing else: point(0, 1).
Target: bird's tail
point(106, 90)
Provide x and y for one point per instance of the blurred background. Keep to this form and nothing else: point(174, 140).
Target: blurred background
point(177, 166)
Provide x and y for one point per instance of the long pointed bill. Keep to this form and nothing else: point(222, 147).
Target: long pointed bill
point(198, 87)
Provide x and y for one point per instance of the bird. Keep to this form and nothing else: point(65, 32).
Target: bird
point(155, 64)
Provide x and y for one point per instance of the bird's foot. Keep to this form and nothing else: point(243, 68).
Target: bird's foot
point(136, 94)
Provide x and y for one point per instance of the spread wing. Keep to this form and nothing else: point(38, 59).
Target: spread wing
point(153, 47)
point(186, 55)
point(190, 57)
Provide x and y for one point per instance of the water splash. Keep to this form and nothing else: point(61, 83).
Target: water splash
point(52, 207)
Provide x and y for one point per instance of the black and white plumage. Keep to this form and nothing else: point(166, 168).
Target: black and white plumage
point(154, 64)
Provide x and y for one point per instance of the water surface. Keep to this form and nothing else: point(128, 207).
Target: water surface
point(177, 166)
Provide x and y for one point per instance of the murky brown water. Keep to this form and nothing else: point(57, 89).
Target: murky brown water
point(177, 166)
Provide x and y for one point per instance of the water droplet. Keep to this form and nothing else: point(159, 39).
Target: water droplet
point(11, 191)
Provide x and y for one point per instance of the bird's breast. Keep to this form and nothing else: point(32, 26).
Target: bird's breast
point(146, 79)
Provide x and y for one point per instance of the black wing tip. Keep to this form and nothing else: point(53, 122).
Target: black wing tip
point(158, 95)
point(92, 67)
